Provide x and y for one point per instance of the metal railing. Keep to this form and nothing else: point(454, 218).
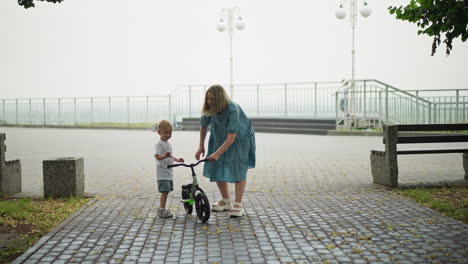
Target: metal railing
point(292, 100)
point(92, 111)
point(370, 103)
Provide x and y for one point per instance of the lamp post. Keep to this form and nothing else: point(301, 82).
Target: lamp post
point(230, 14)
point(340, 14)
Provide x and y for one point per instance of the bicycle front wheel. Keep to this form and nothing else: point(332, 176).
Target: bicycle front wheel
point(202, 205)
point(188, 208)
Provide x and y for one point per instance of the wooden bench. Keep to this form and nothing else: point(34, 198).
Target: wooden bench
point(384, 164)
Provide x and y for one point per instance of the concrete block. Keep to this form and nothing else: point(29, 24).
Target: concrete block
point(382, 172)
point(63, 177)
point(10, 178)
point(10, 171)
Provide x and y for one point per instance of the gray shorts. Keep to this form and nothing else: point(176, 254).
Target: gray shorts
point(165, 186)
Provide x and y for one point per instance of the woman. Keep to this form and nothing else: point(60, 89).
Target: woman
point(231, 147)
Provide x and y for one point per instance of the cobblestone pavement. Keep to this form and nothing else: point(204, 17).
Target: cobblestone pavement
point(310, 200)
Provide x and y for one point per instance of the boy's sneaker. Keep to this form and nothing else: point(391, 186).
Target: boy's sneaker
point(163, 213)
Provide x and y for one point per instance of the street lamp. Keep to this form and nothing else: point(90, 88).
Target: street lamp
point(230, 14)
point(340, 14)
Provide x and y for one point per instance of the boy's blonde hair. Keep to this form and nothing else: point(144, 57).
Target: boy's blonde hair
point(164, 125)
point(221, 100)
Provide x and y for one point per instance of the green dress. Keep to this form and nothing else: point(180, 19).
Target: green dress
point(232, 165)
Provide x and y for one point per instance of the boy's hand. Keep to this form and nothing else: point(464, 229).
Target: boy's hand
point(167, 155)
point(180, 160)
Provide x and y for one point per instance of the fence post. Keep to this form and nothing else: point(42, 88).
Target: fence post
point(417, 107)
point(285, 100)
point(258, 99)
point(110, 111)
point(380, 108)
point(44, 111)
point(59, 112)
point(3, 111)
point(457, 116)
point(16, 111)
point(128, 111)
point(464, 111)
point(429, 114)
point(147, 110)
point(190, 101)
point(92, 111)
point(30, 112)
point(365, 101)
point(336, 109)
point(74, 111)
point(170, 108)
point(386, 104)
point(315, 100)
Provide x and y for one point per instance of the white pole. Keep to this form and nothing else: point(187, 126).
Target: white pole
point(231, 31)
point(353, 52)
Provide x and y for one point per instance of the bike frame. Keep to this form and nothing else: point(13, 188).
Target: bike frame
point(195, 187)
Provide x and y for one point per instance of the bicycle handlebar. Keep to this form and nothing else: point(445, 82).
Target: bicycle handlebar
point(187, 165)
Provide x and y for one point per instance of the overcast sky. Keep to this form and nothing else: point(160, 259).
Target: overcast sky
point(148, 47)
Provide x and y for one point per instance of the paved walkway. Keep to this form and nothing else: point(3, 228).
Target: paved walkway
point(310, 200)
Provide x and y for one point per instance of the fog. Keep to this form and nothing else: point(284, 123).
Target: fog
point(148, 47)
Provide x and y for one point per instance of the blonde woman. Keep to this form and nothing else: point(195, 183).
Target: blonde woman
point(231, 147)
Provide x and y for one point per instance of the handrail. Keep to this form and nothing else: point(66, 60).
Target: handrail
point(437, 90)
point(412, 95)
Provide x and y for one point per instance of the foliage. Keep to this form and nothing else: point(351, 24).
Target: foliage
point(437, 17)
point(30, 3)
point(32, 219)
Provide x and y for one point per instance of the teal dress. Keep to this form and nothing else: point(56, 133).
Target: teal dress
point(232, 165)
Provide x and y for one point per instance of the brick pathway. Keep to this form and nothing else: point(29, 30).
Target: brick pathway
point(310, 200)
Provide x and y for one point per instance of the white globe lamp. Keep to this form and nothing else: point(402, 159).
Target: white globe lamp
point(240, 25)
point(221, 26)
point(340, 12)
point(365, 10)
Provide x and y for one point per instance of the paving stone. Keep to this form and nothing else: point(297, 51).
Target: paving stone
point(310, 206)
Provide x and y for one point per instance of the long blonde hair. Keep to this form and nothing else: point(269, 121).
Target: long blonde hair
point(220, 98)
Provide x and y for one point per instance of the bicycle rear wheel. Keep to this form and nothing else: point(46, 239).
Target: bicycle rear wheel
point(202, 205)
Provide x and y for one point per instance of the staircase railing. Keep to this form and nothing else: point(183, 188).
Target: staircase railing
point(372, 103)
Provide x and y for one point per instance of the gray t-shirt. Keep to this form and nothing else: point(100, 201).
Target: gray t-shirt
point(162, 172)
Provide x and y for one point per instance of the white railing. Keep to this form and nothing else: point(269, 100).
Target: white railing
point(292, 100)
point(370, 104)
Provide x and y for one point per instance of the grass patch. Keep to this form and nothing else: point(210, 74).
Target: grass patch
point(451, 201)
point(25, 220)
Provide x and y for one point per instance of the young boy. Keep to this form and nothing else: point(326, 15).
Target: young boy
point(163, 150)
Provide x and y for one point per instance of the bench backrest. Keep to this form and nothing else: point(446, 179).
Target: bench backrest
point(432, 127)
point(391, 131)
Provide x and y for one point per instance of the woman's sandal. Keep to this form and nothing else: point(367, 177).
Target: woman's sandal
point(217, 207)
point(236, 211)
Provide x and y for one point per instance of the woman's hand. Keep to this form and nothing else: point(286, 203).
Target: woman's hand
point(200, 151)
point(214, 157)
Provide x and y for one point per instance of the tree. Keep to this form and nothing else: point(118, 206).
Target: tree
point(30, 3)
point(437, 17)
